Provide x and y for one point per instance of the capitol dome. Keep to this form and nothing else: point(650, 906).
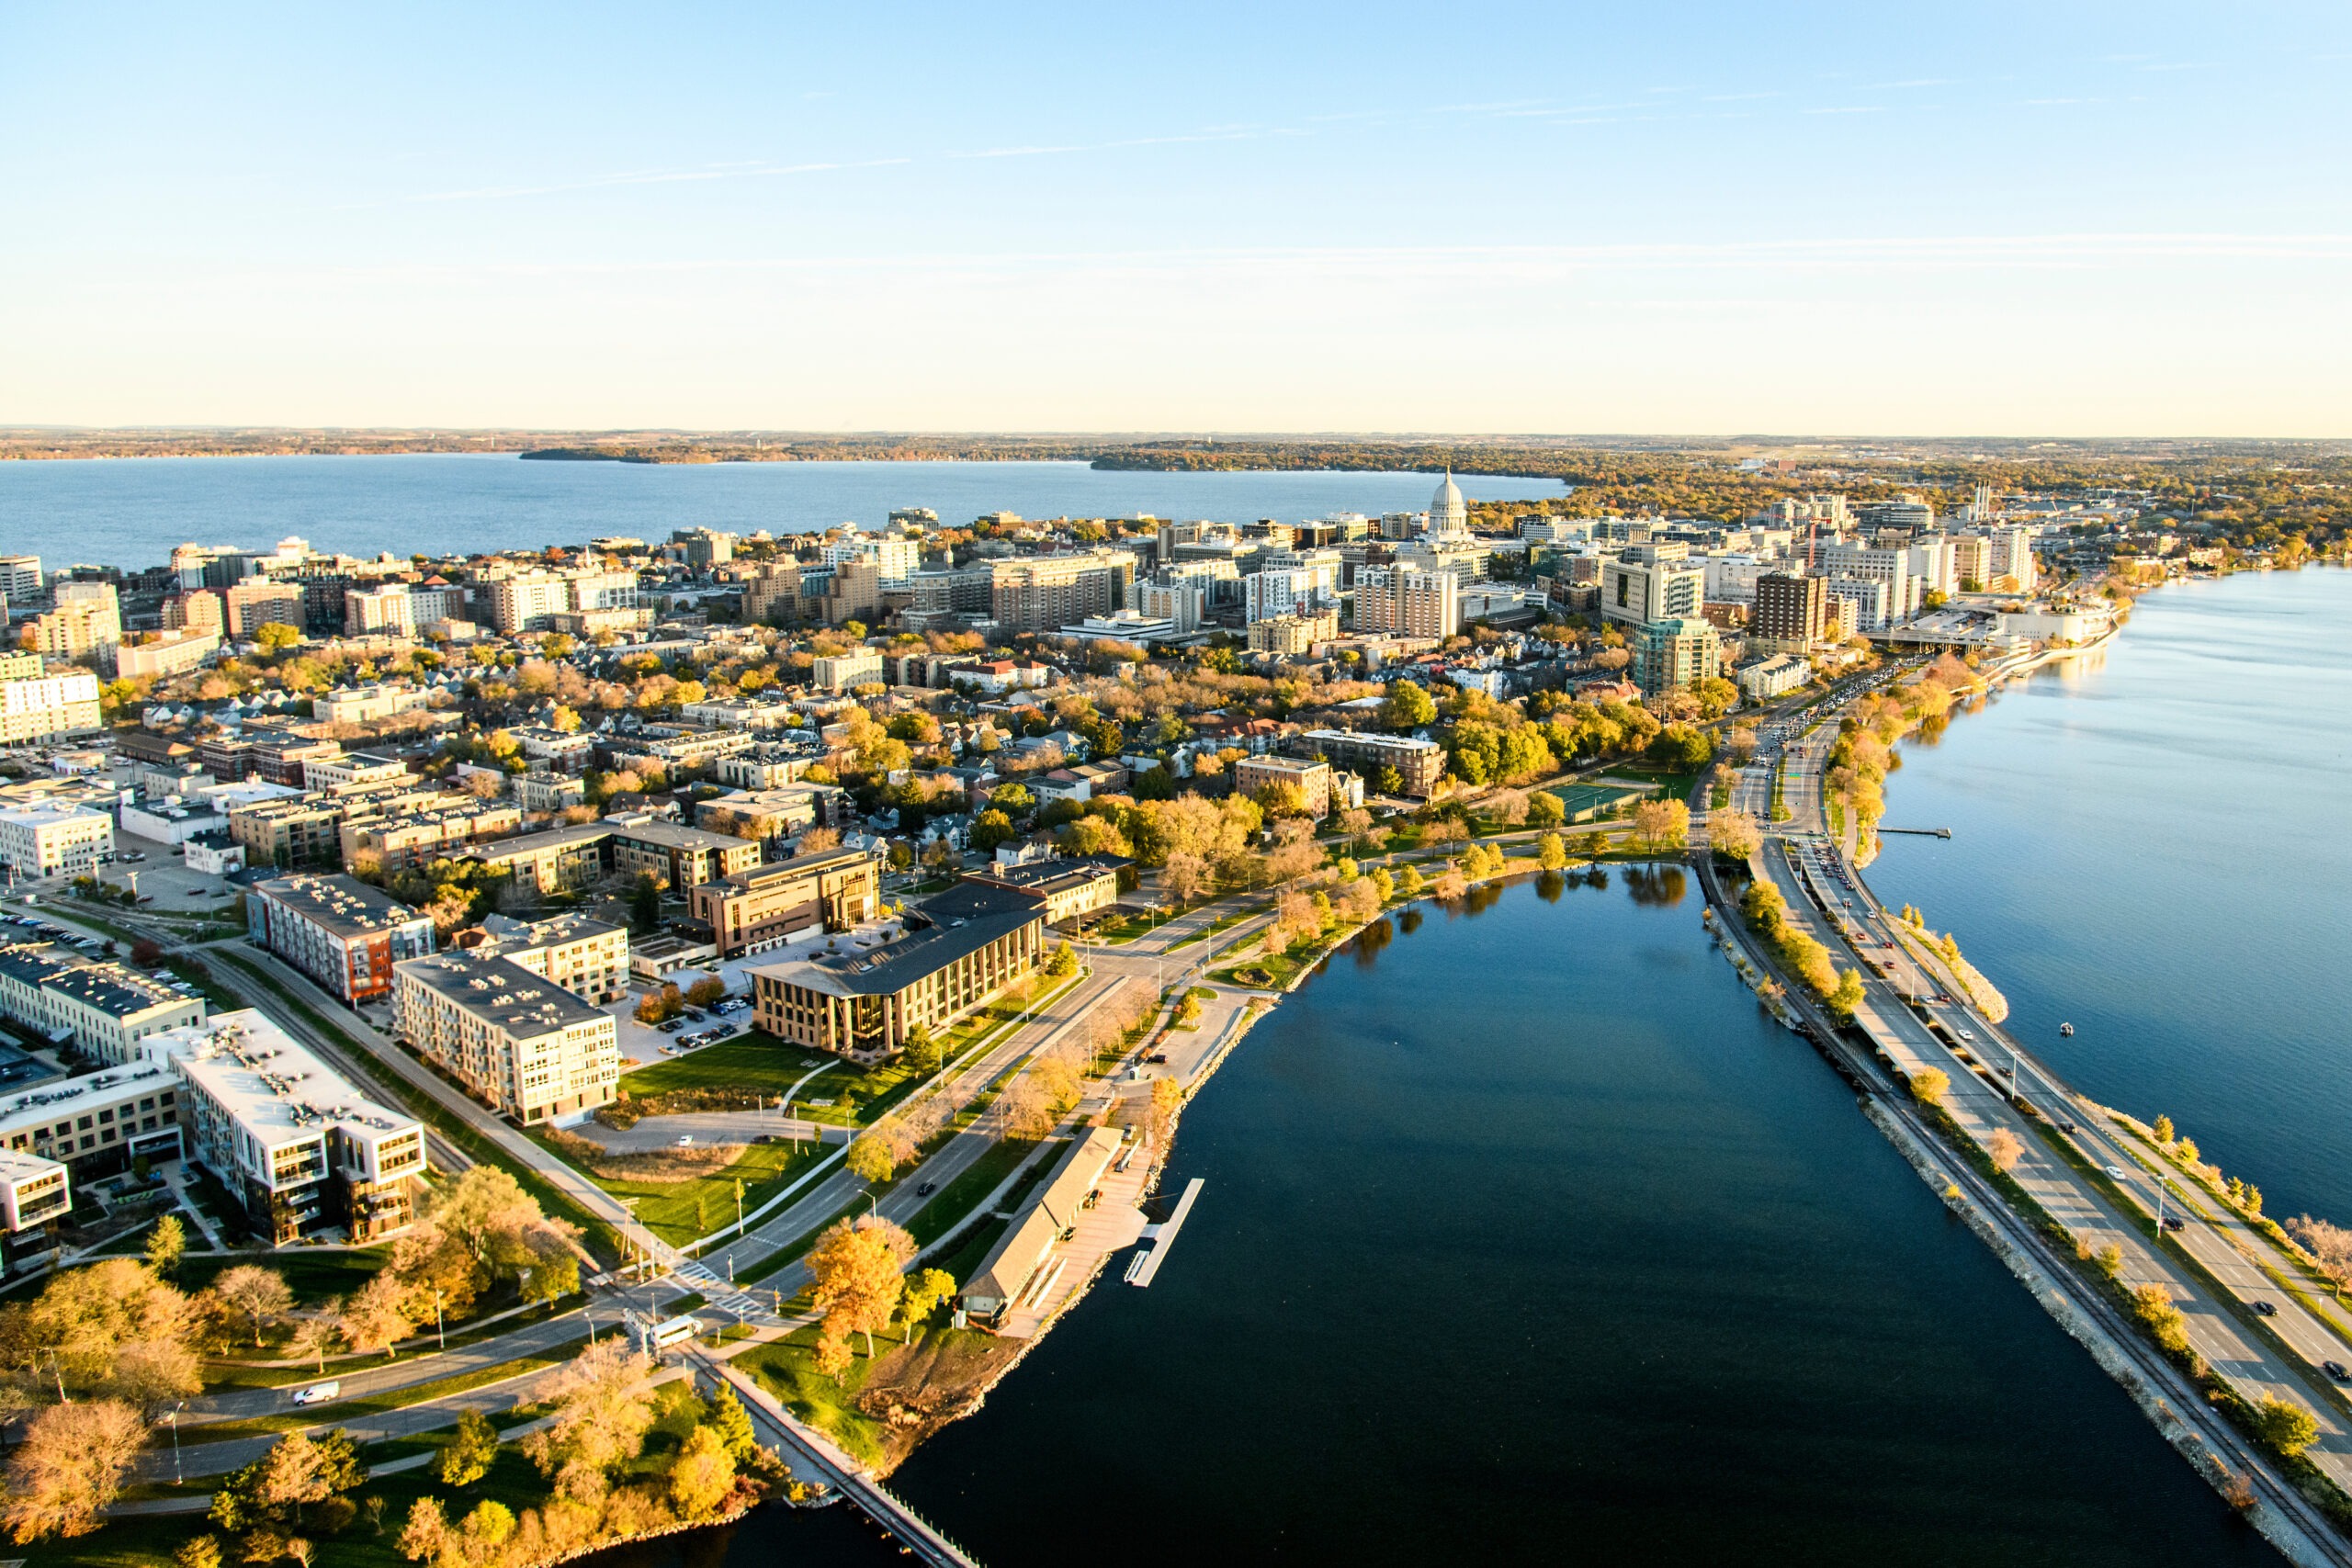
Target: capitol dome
point(1449, 513)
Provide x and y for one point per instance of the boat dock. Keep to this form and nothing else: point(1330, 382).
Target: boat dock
point(1144, 1265)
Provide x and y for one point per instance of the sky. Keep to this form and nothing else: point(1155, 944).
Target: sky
point(1877, 219)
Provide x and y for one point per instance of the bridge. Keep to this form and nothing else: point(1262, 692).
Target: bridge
point(813, 1457)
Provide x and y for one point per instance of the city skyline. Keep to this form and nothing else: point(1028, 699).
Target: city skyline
point(2107, 222)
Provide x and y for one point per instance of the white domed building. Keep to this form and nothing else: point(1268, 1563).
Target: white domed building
point(1449, 513)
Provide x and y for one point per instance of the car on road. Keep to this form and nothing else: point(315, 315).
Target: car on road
point(2335, 1369)
point(685, 1139)
point(927, 1189)
point(2174, 1223)
point(2117, 1171)
point(2263, 1309)
point(1968, 1034)
point(317, 1394)
point(2068, 1127)
point(1158, 1057)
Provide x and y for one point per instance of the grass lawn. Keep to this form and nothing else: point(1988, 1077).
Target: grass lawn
point(681, 1211)
point(753, 1061)
point(313, 1273)
point(786, 1367)
point(1126, 928)
point(1217, 927)
point(951, 1205)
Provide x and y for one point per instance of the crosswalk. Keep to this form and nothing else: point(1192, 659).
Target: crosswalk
point(742, 1305)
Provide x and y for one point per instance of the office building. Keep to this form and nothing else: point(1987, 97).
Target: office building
point(702, 548)
point(2012, 560)
point(340, 932)
point(1870, 598)
point(1070, 889)
point(762, 906)
point(1889, 566)
point(1909, 514)
point(516, 1041)
point(955, 952)
point(1670, 656)
point(1652, 583)
point(306, 1150)
point(19, 579)
point(52, 840)
point(1971, 561)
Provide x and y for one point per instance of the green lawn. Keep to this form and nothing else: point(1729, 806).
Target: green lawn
point(682, 1211)
point(787, 1369)
point(313, 1273)
point(952, 1204)
point(753, 1061)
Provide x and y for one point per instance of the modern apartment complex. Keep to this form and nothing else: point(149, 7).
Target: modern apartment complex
point(1043, 593)
point(1402, 602)
point(340, 932)
point(1418, 763)
point(39, 706)
point(53, 840)
point(307, 1150)
point(522, 1044)
point(102, 1009)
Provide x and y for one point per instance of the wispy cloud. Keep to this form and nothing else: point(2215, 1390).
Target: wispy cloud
point(1851, 108)
point(737, 171)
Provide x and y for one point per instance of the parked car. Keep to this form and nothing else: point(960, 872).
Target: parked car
point(1159, 1056)
point(672, 1027)
point(685, 1139)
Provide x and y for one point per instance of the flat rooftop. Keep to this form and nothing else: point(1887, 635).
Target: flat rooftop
point(956, 924)
point(270, 1082)
point(342, 905)
point(501, 992)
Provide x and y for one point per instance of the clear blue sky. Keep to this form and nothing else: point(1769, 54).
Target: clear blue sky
point(1888, 218)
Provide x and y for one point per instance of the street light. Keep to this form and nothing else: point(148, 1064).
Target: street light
point(173, 1418)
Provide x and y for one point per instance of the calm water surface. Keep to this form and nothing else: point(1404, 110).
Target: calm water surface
point(1526, 1237)
point(2152, 845)
point(130, 512)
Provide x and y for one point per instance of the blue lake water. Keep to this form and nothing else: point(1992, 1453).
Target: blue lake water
point(1526, 1237)
point(130, 512)
point(2152, 845)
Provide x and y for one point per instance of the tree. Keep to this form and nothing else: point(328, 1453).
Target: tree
point(470, 1453)
point(1734, 833)
point(2330, 1246)
point(1928, 1086)
point(293, 1472)
point(2162, 1131)
point(1408, 707)
point(704, 1475)
point(199, 1552)
point(1545, 810)
point(70, 1468)
point(1061, 963)
point(312, 1336)
point(925, 1290)
point(706, 991)
point(256, 1292)
point(870, 1158)
point(377, 1317)
point(645, 904)
point(1848, 995)
point(2110, 1260)
point(165, 1244)
point(1661, 824)
point(1167, 1099)
point(427, 1529)
point(600, 1419)
point(733, 1423)
point(856, 1272)
point(2285, 1425)
point(2005, 1149)
point(276, 637)
point(1024, 1109)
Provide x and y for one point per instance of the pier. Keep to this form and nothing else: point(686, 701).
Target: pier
point(1920, 832)
point(1163, 1237)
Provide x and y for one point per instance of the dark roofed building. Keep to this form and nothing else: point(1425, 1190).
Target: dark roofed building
point(1071, 888)
point(956, 950)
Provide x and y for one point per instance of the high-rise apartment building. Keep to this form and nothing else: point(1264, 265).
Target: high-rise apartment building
point(37, 707)
point(19, 579)
point(1399, 601)
point(1675, 654)
point(258, 601)
point(86, 621)
point(381, 611)
point(1891, 567)
point(1788, 612)
point(1039, 594)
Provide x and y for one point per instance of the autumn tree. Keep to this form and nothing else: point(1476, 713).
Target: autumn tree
point(70, 1468)
point(1661, 824)
point(1929, 1086)
point(703, 1476)
point(600, 1418)
point(377, 1317)
point(926, 1288)
point(2330, 1246)
point(857, 1271)
point(2005, 1149)
point(1734, 833)
point(2285, 1425)
point(470, 1453)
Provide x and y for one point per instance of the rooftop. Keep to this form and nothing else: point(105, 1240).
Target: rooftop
point(71, 1096)
point(501, 992)
point(343, 905)
point(276, 1089)
point(954, 925)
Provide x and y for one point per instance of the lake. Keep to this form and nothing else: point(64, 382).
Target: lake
point(131, 512)
point(2150, 844)
point(1598, 1264)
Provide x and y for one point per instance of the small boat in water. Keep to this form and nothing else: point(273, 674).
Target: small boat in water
point(2066, 1030)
